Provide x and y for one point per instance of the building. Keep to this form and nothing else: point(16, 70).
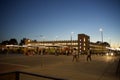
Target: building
point(83, 43)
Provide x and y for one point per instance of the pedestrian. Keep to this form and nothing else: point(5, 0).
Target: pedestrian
point(89, 55)
point(74, 53)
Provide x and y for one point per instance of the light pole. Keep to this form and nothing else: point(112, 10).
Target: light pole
point(71, 40)
point(56, 38)
point(43, 37)
point(42, 60)
point(101, 31)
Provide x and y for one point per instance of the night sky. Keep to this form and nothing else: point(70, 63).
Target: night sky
point(56, 19)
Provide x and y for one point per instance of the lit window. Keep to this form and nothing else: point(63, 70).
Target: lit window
point(84, 44)
point(80, 47)
point(84, 39)
point(80, 43)
point(84, 48)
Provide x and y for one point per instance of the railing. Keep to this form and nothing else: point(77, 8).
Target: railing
point(16, 75)
point(118, 68)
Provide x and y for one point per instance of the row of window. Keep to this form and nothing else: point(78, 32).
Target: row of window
point(55, 44)
point(84, 39)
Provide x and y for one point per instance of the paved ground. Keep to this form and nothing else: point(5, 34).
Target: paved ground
point(100, 68)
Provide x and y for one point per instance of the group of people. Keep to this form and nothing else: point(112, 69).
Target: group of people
point(76, 55)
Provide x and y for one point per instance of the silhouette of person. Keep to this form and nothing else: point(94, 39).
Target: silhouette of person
point(74, 53)
point(89, 55)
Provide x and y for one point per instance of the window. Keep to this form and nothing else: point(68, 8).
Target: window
point(84, 39)
point(84, 44)
point(84, 48)
point(80, 50)
point(80, 43)
point(80, 47)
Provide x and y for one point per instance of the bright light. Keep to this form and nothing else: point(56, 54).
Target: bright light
point(107, 54)
point(100, 29)
point(111, 54)
point(72, 33)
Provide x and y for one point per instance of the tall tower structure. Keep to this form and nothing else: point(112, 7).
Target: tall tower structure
point(83, 43)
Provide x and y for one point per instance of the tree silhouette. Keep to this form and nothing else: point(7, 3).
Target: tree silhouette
point(22, 42)
point(13, 41)
point(5, 42)
point(104, 43)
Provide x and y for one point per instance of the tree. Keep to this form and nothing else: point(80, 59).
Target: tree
point(5, 42)
point(104, 43)
point(13, 41)
point(99, 42)
point(22, 42)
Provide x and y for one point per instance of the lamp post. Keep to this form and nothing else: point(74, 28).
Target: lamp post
point(43, 37)
point(71, 40)
point(42, 60)
point(56, 38)
point(101, 32)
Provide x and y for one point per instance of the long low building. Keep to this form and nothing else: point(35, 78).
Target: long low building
point(82, 44)
point(62, 46)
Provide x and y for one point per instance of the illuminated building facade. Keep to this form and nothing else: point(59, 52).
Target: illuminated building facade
point(83, 43)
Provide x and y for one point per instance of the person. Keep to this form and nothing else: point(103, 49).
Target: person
point(74, 53)
point(89, 55)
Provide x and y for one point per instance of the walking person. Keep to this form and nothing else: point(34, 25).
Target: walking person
point(89, 55)
point(74, 53)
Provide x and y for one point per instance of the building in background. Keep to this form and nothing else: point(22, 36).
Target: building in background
point(62, 46)
point(83, 43)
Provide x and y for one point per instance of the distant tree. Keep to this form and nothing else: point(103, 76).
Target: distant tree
point(104, 43)
point(22, 42)
point(34, 40)
point(6, 42)
point(13, 41)
point(99, 42)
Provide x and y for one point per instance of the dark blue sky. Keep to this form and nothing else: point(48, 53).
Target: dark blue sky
point(51, 18)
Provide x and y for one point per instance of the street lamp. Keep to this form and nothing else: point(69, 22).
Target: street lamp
point(101, 31)
point(71, 40)
point(56, 38)
point(42, 37)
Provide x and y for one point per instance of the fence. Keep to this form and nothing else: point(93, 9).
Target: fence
point(16, 75)
point(118, 68)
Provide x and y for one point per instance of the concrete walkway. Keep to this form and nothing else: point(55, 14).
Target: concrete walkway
point(82, 70)
point(100, 68)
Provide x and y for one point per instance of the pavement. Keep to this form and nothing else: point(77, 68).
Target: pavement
point(100, 68)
